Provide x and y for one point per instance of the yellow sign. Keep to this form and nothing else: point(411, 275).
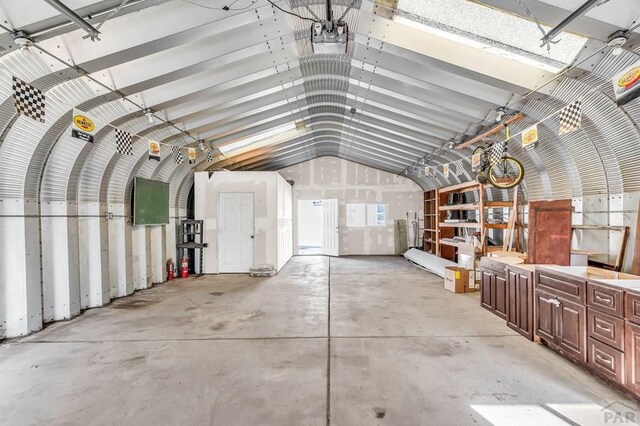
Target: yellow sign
point(445, 170)
point(192, 154)
point(626, 84)
point(154, 148)
point(475, 161)
point(84, 123)
point(629, 78)
point(530, 137)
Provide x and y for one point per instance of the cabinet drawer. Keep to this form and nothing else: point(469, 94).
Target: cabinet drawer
point(605, 299)
point(632, 307)
point(605, 328)
point(562, 285)
point(607, 361)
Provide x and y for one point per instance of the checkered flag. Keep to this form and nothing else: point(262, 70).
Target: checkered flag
point(177, 154)
point(496, 152)
point(29, 101)
point(570, 118)
point(124, 142)
point(209, 156)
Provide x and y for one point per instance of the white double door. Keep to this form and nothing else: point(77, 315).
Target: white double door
point(330, 231)
point(235, 232)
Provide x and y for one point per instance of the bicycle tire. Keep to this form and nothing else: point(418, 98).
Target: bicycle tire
point(506, 182)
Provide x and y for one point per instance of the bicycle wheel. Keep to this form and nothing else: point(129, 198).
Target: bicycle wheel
point(506, 173)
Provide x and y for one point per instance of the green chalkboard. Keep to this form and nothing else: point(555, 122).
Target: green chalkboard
point(150, 202)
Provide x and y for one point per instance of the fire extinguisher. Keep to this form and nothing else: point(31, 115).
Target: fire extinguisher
point(185, 267)
point(170, 269)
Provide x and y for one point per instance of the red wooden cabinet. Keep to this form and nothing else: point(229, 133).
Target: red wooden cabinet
point(550, 232)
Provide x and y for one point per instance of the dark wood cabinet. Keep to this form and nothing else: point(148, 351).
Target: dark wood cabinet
point(632, 356)
point(520, 304)
point(605, 328)
point(561, 324)
point(572, 329)
point(606, 361)
point(486, 283)
point(550, 232)
point(545, 304)
point(493, 287)
point(596, 324)
point(500, 296)
point(561, 313)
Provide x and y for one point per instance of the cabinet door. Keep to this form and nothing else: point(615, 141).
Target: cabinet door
point(486, 279)
point(525, 305)
point(550, 232)
point(512, 300)
point(500, 296)
point(546, 316)
point(572, 329)
point(632, 355)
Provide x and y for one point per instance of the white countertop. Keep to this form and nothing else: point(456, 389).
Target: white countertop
point(626, 281)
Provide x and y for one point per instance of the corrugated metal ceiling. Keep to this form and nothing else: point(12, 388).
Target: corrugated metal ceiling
point(393, 99)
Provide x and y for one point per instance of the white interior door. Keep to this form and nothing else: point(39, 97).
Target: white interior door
point(235, 232)
point(330, 235)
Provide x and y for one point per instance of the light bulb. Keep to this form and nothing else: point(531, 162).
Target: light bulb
point(617, 51)
point(149, 114)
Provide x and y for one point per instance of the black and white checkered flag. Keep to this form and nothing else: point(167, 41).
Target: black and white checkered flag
point(570, 118)
point(177, 154)
point(209, 156)
point(496, 152)
point(124, 142)
point(29, 100)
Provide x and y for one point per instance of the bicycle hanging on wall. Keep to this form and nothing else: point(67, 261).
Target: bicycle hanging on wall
point(493, 165)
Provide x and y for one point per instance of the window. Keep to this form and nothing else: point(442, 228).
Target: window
point(490, 29)
point(361, 215)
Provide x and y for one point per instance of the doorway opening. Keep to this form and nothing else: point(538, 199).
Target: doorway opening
point(318, 227)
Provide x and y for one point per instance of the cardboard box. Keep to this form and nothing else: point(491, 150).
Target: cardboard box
point(468, 259)
point(458, 280)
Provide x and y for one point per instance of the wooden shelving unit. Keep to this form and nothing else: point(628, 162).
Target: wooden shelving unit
point(430, 236)
point(438, 233)
point(447, 230)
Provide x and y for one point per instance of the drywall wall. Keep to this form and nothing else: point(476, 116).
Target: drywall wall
point(270, 214)
point(285, 221)
point(331, 177)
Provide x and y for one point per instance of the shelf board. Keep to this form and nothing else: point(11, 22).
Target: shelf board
point(496, 225)
point(497, 204)
point(460, 225)
point(429, 230)
point(448, 243)
point(461, 207)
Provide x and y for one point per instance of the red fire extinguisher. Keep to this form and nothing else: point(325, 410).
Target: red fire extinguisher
point(170, 269)
point(185, 267)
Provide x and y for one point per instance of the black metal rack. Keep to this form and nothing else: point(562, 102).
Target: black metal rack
point(191, 238)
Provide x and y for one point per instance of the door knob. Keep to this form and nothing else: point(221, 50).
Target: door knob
point(252, 236)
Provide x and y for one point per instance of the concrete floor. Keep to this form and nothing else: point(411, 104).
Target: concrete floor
point(233, 350)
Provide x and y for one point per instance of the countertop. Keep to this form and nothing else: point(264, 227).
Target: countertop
point(615, 279)
point(524, 266)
